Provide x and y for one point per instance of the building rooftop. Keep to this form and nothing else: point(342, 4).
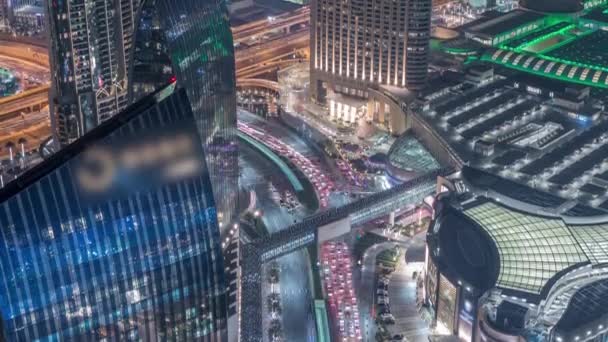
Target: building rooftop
point(532, 248)
point(587, 305)
point(495, 24)
point(407, 153)
point(599, 14)
point(553, 6)
point(535, 242)
point(537, 140)
point(30, 9)
point(593, 75)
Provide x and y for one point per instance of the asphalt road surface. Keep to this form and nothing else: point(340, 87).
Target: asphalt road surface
point(296, 298)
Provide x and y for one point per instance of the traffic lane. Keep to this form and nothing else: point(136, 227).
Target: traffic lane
point(364, 281)
point(293, 140)
point(256, 175)
point(258, 54)
point(321, 183)
point(287, 144)
point(296, 297)
point(17, 64)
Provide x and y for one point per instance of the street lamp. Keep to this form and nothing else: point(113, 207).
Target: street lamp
point(10, 146)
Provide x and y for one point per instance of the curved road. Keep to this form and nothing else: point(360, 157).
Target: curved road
point(298, 317)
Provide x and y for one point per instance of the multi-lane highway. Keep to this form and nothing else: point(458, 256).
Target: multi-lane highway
point(245, 32)
point(259, 58)
point(31, 100)
point(25, 114)
point(257, 175)
point(269, 44)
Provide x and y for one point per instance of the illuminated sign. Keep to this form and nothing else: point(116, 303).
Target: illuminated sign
point(134, 164)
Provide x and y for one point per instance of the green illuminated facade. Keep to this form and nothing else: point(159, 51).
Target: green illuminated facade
point(595, 76)
point(562, 48)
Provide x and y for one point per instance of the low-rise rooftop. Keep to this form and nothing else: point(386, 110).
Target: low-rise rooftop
point(533, 137)
point(492, 25)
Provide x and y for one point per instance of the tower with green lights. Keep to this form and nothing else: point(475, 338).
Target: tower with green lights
point(190, 42)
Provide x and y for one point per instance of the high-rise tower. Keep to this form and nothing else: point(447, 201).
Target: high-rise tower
point(190, 41)
point(360, 43)
point(90, 44)
point(115, 237)
point(98, 69)
point(4, 15)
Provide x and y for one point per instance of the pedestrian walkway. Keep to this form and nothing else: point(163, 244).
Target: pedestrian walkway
point(402, 297)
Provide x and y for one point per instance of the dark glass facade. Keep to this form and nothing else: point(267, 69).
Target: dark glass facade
point(191, 41)
point(115, 238)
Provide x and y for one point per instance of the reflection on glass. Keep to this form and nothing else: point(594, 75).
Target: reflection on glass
point(115, 237)
point(190, 41)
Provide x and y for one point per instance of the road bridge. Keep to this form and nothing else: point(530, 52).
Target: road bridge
point(32, 100)
point(254, 70)
point(258, 83)
point(315, 229)
point(285, 21)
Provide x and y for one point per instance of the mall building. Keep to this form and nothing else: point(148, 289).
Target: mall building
point(506, 262)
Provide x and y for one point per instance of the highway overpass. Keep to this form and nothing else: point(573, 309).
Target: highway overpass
point(26, 102)
point(258, 83)
point(285, 21)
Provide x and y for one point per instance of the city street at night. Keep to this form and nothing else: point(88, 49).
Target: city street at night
point(304, 171)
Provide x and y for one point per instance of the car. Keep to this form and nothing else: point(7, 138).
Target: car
point(387, 319)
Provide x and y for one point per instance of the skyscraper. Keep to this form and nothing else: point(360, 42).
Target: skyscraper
point(4, 15)
point(360, 43)
point(191, 41)
point(90, 45)
point(96, 67)
point(115, 237)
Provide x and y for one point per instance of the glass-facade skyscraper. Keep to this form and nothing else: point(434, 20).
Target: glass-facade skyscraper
point(89, 49)
point(96, 44)
point(191, 41)
point(115, 237)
